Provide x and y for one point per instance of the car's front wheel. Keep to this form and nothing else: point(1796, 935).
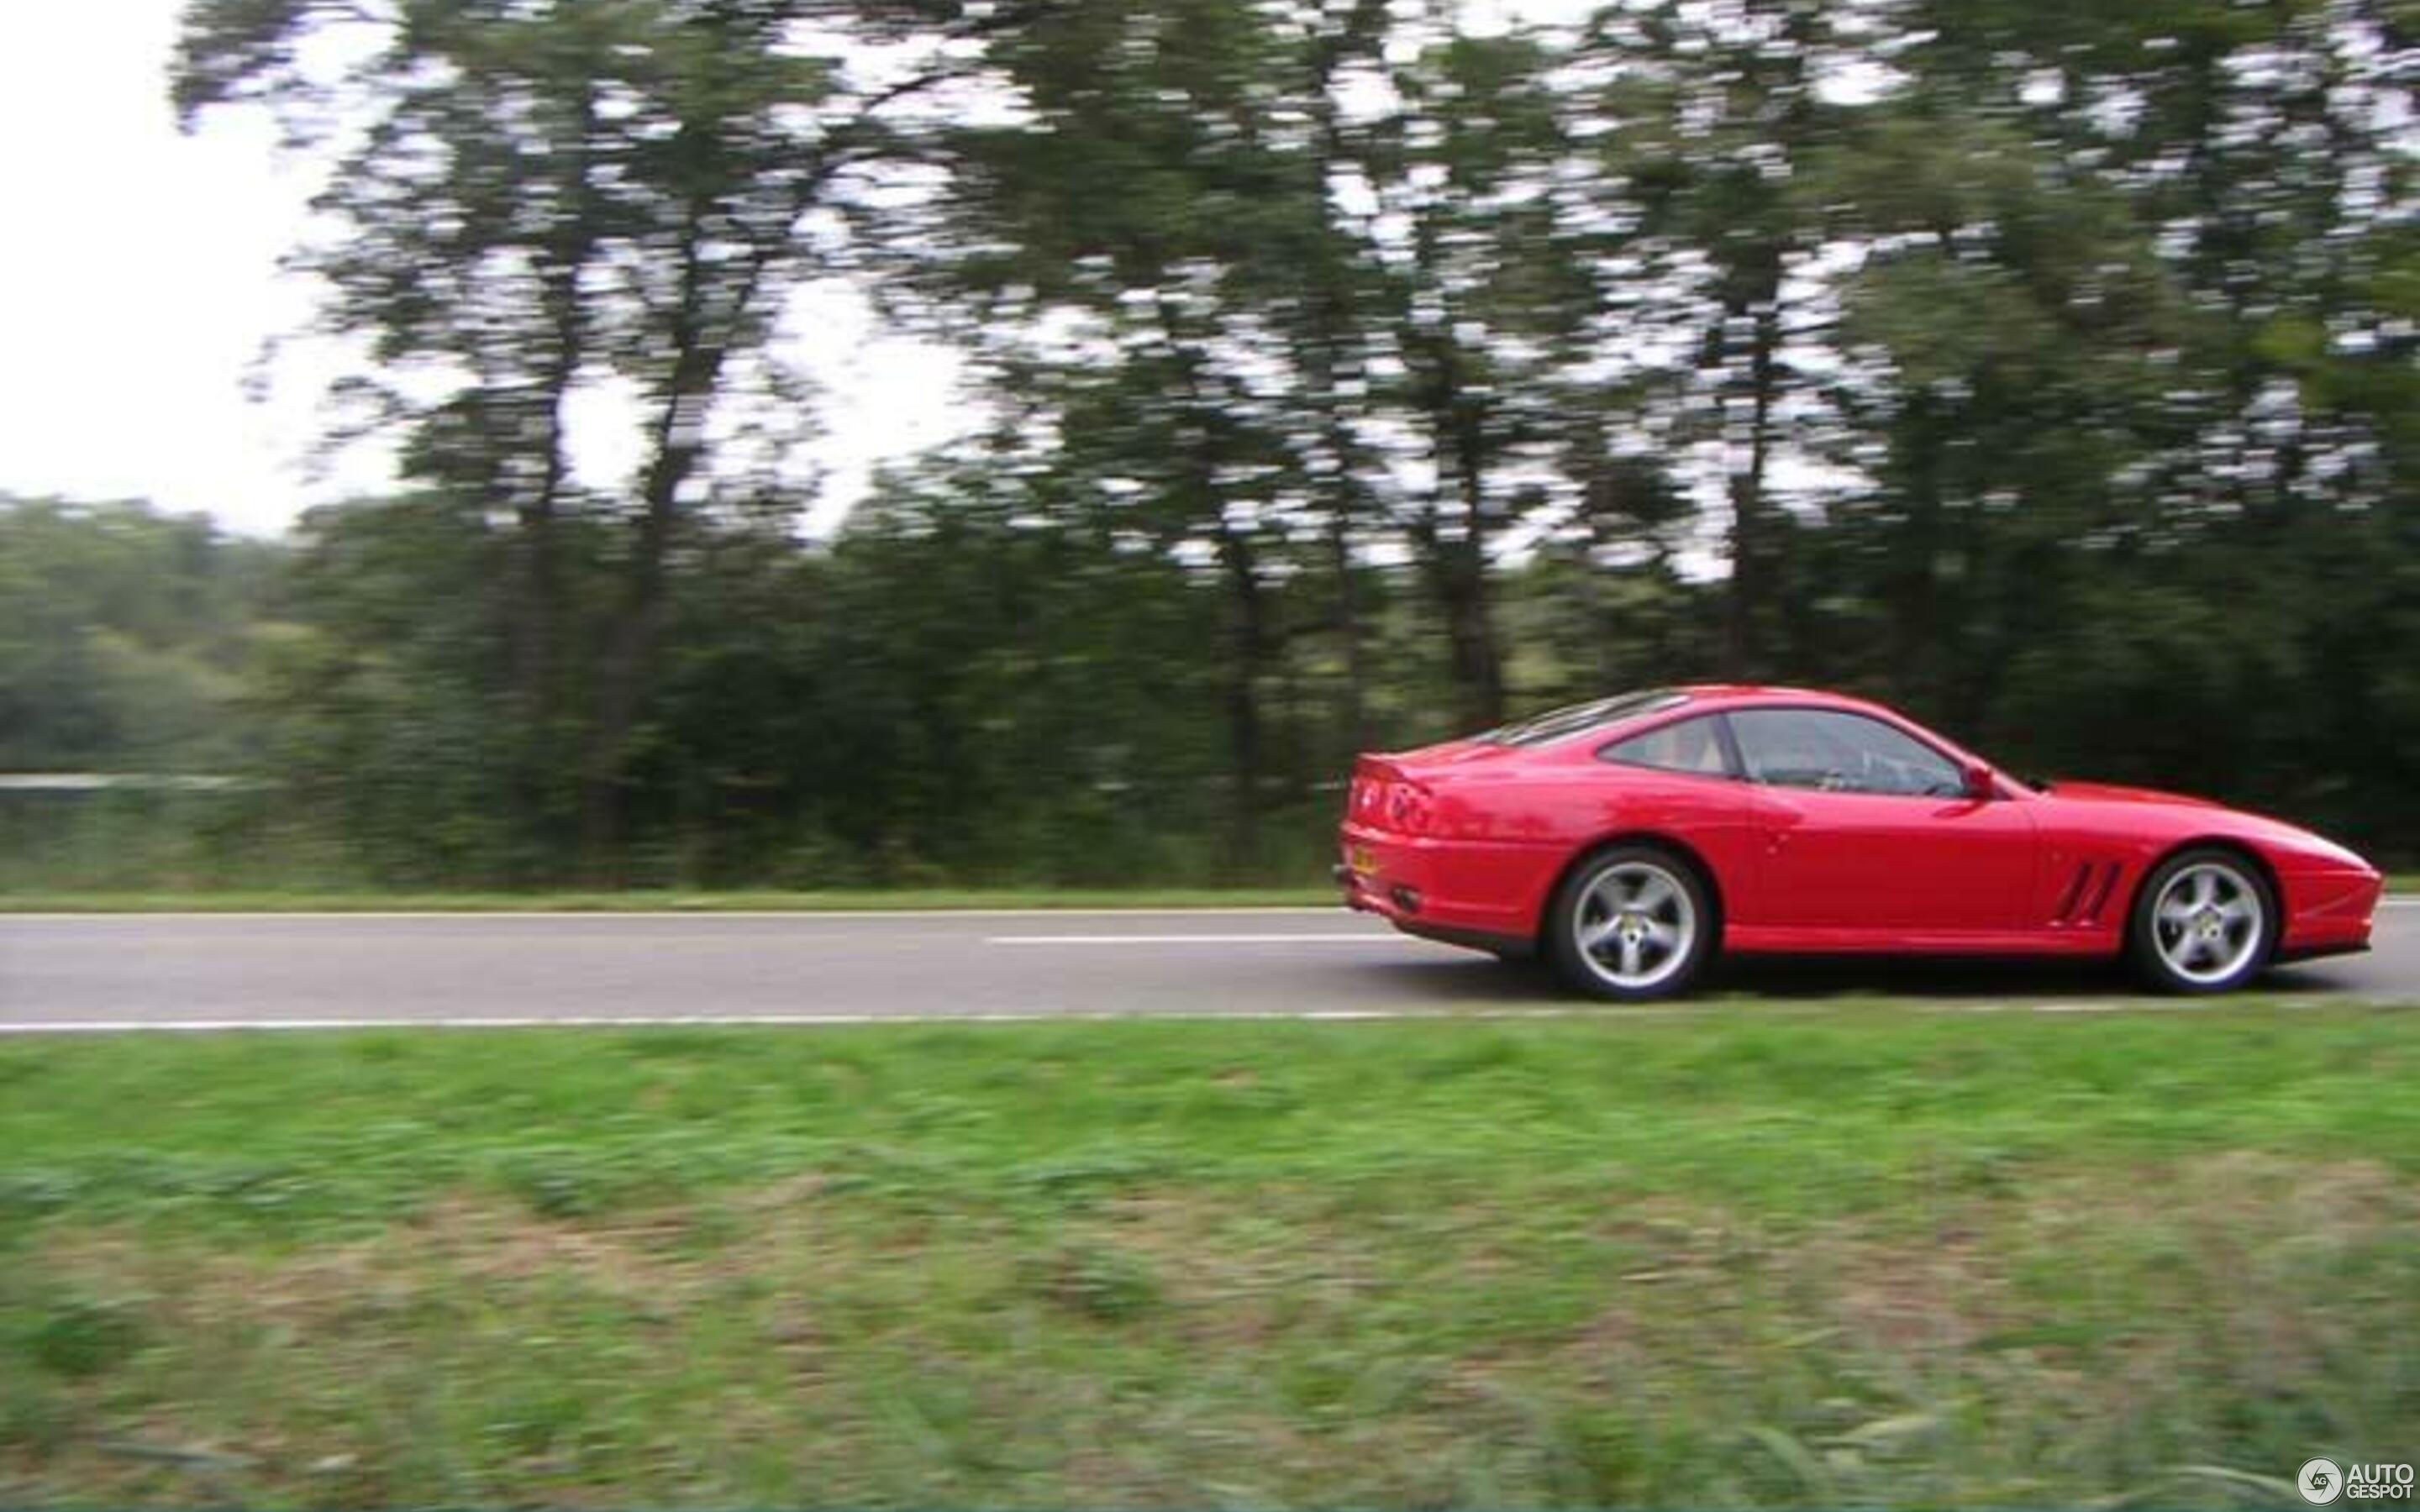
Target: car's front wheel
point(2204, 923)
point(1630, 923)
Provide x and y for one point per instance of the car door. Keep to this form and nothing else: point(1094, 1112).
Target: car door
point(1860, 826)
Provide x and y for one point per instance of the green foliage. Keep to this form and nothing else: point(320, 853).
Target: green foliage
point(1353, 379)
point(122, 637)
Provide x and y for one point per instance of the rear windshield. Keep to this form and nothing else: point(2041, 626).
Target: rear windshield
point(1572, 719)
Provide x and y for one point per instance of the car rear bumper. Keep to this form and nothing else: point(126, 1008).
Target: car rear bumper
point(1464, 892)
point(1494, 942)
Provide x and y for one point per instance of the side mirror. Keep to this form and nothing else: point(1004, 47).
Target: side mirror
point(1981, 785)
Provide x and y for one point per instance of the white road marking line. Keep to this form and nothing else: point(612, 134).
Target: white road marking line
point(1364, 937)
point(2092, 1006)
point(768, 1020)
point(235, 916)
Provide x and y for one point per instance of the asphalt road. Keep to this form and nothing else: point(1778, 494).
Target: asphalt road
point(98, 972)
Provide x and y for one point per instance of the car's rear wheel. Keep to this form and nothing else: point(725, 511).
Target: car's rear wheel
point(1632, 922)
point(2204, 923)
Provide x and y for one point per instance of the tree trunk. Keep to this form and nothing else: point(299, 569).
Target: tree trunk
point(1745, 657)
point(1456, 574)
point(1248, 630)
point(1470, 626)
point(1456, 569)
point(1914, 586)
point(1330, 352)
point(629, 664)
point(1248, 649)
point(538, 616)
point(1348, 628)
point(1343, 488)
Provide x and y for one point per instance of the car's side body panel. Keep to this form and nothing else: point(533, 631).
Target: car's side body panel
point(1467, 841)
point(1863, 862)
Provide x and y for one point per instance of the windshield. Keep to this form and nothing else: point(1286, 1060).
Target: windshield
point(1574, 718)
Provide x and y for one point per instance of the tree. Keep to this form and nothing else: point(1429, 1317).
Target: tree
point(1714, 113)
point(123, 636)
point(533, 200)
point(1353, 374)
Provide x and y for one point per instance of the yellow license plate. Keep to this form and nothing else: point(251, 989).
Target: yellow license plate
point(1364, 864)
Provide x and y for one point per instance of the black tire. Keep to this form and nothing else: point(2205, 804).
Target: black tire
point(2195, 941)
point(1581, 902)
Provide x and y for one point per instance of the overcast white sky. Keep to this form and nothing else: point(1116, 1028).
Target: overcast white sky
point(138, 277)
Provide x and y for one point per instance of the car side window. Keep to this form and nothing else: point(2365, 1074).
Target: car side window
point(1692, 746)
point(1837, 752)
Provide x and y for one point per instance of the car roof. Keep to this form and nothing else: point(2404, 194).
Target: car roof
point(1706, 696)
point(1685, 701)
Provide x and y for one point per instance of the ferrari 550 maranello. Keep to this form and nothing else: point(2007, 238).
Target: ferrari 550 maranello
point(1631, 839)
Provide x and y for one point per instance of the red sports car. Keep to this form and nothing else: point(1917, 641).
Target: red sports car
point(1630, 838)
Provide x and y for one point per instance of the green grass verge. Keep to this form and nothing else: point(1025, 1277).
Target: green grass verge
point(858, 900)
point(1739, 1258)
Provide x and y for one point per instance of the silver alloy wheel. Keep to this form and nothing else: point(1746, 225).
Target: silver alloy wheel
point(1634, 924)
point(2206, 923)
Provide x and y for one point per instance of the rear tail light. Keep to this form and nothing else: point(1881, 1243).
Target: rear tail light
point(1409, 809)
point(1382, 798)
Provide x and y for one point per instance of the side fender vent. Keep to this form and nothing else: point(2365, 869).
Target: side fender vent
point(2085, 897)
